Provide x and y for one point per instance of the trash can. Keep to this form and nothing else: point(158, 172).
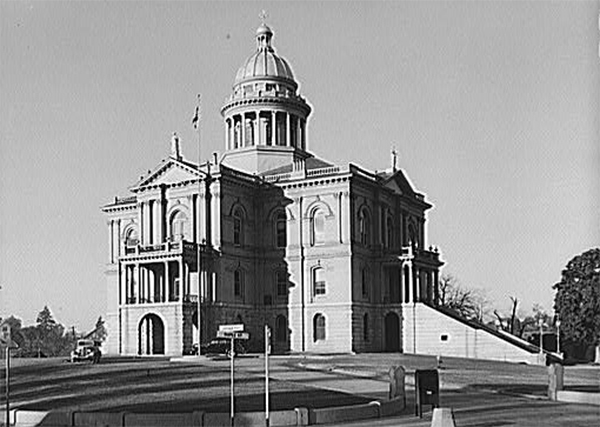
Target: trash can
point(427, 390)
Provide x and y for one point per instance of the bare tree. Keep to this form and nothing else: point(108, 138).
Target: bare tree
point(468, 303)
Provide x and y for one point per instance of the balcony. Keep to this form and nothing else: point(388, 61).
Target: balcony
point(161, 299)
point(168, 246)
point(431, 256)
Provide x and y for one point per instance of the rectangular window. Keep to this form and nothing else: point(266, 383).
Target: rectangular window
point(238, 283)
point(282, 286)
point(319, 283)
point(365, 283)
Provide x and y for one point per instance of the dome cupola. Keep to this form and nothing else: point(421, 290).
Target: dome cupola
point(265, 117)
point(264, 63)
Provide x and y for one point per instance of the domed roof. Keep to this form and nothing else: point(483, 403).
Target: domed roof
point(264, 62)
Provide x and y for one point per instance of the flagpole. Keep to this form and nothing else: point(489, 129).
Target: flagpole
point(196, 124)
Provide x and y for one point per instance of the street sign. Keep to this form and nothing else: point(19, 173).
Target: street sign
point(5, 335)
point(241, 335)
point(236, 335)
point(232, 328)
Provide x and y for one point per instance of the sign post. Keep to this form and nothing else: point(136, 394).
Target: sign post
point(232, 331)
point(231, 356)
point(5, 342)
point(267, 351)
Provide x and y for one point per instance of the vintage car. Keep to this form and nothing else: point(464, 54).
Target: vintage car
point(220, 346)
point(86, 350)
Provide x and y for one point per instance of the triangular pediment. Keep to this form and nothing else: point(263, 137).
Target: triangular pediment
point(169, 172)
point(399, 184)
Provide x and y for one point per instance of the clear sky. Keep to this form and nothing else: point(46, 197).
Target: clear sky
point(494, 108)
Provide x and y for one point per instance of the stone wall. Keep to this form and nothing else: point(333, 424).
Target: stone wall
point(429, 331)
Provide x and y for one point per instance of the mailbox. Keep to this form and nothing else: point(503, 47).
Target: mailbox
point(427, 390)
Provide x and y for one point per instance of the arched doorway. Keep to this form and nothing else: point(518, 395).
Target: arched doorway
point(151, 335)
point(392, 332)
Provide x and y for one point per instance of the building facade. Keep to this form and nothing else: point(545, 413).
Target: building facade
point(328, 256)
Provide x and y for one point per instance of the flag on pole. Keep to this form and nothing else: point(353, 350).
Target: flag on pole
point(196, 118)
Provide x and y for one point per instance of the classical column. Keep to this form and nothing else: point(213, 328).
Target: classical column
point(118, 238)
point(411, 287)
point(136, 284)
point(436, 289)
point(417, 282)
point(288, 127)
point(243, 130)
point(216, 214)
point(141, 222)
point(111, 236)
point(227, 135)
point(167, 282)
point(181, 279)
point(150, 284)
point(273, 127)
point(122, 283)
point(258, 131)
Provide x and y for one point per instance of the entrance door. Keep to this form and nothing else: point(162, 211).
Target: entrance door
point(392, 332)
point(151, 335)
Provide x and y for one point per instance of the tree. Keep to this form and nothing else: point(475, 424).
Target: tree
point(99, 333)
point(512, 325)
point(45, 321)
point(467, 303)
point(49, 335)
point(577, 300)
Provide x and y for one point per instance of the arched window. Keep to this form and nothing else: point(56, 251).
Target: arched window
point(389, 229)
point(238, 227)
point(281, 328)
point(282, 284)
point(413, 239)
point(319, 283)
point(131, 237)
point(280, 230)
point(317, 227)
point(319, 326)
point(238, 283)
point(179, 226)
point(364, 277)
point(364, 227)
point(366, 327)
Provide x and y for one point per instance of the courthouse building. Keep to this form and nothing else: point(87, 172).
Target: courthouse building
point(334, 258)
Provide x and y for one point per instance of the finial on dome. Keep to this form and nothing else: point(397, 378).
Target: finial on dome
point(263, 33)
point(175, 147)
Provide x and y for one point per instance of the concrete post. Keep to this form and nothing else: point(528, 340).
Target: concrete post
point(396, 379)
point(555, 380)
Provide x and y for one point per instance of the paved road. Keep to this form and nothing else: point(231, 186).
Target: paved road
point(482, 394)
